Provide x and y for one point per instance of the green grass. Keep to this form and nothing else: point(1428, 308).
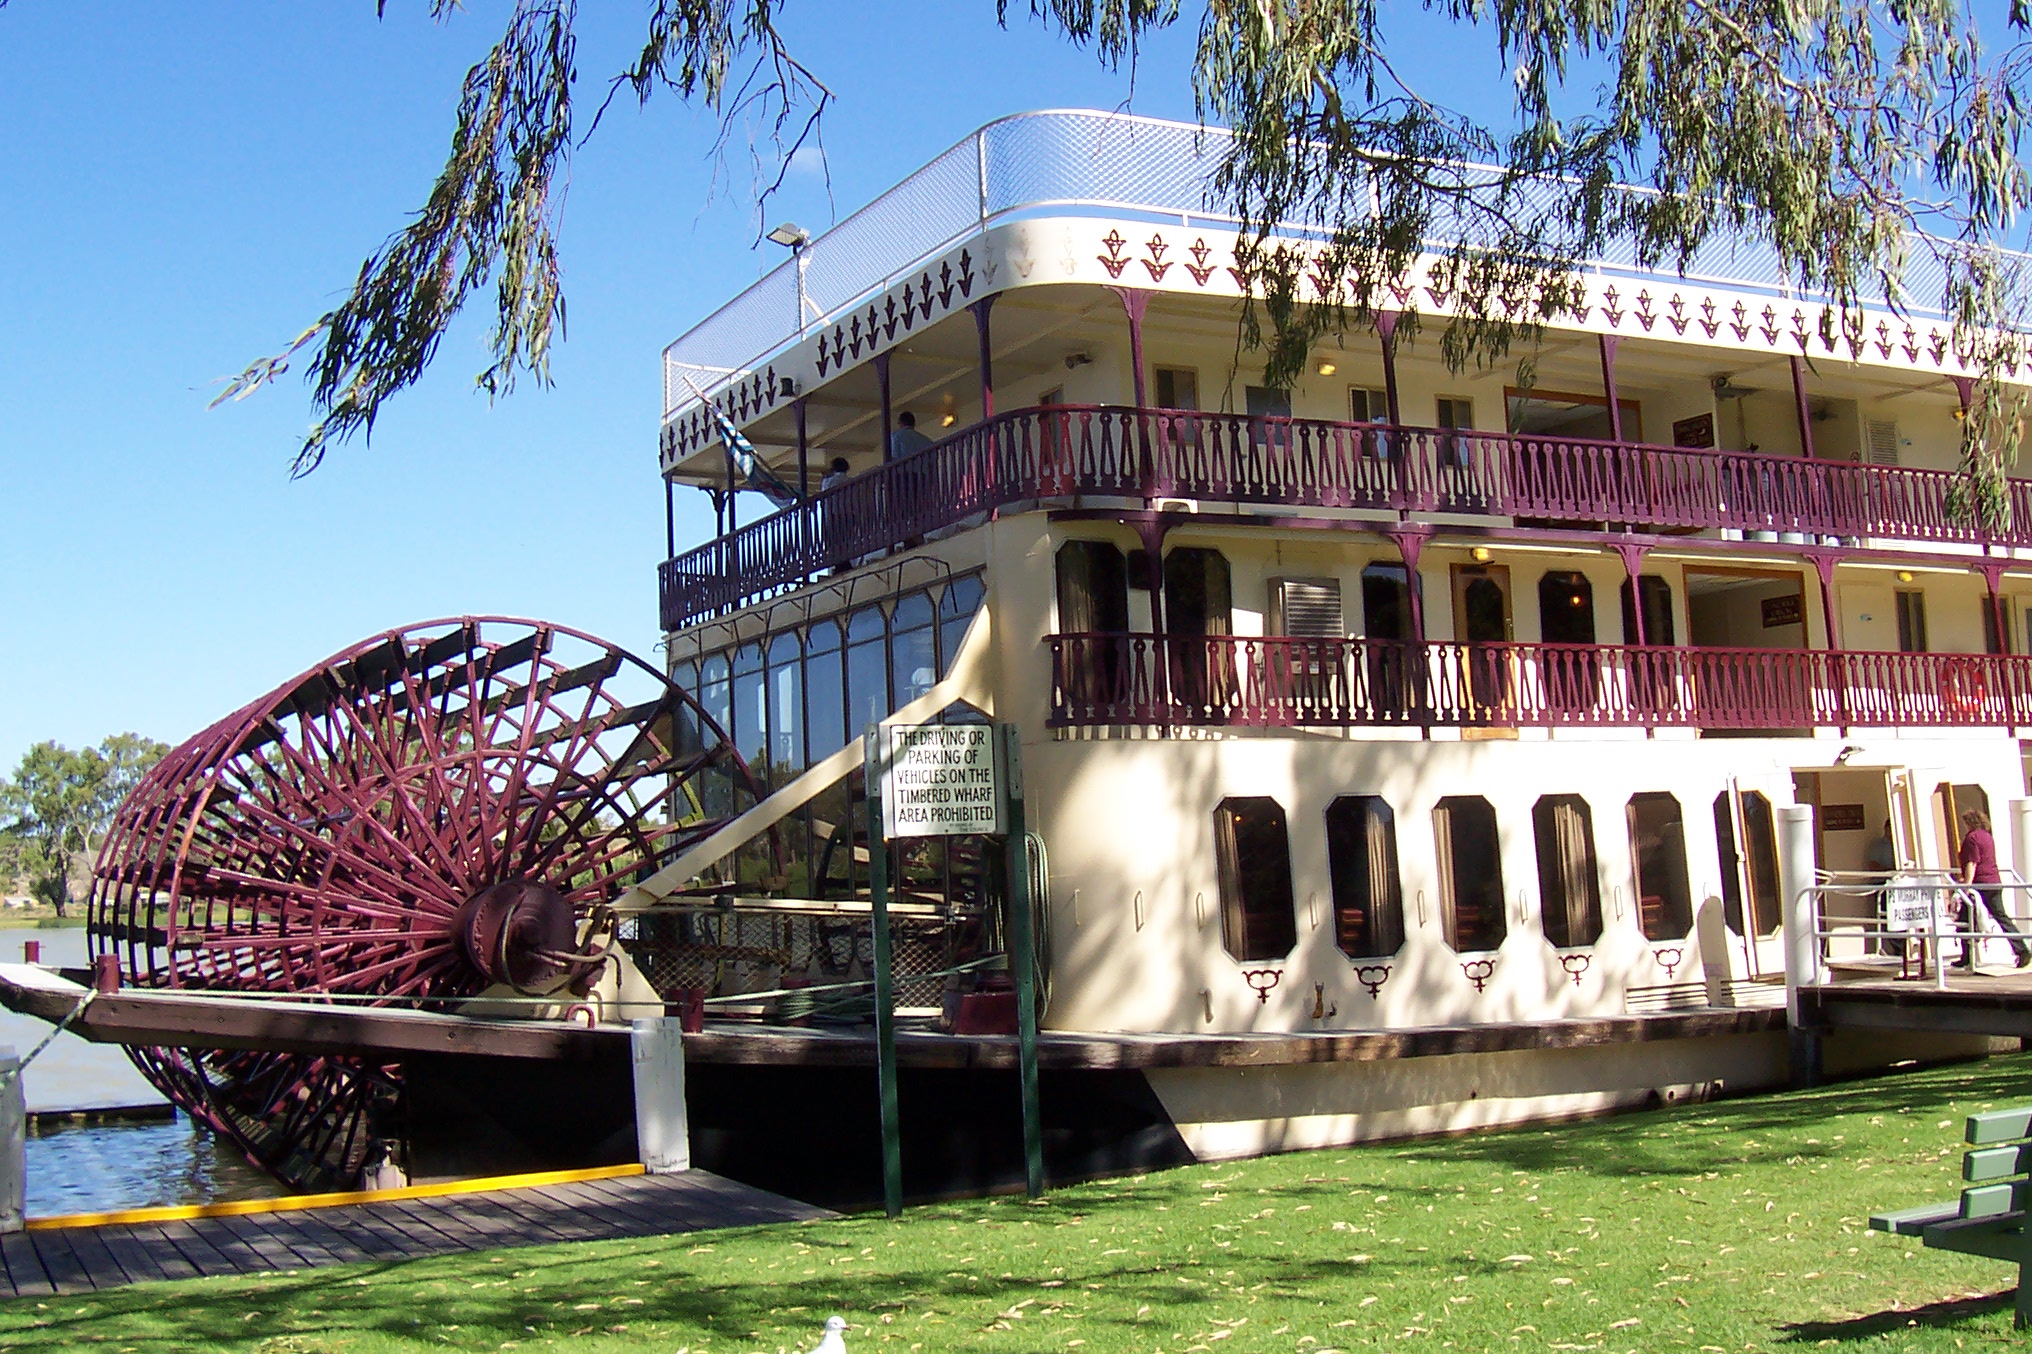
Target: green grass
point(1726, 1227)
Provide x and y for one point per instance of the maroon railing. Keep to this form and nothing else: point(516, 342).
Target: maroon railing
point(1279, 681)
point(1063, 450)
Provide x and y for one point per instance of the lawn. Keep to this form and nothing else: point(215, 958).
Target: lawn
point(1715, 1228)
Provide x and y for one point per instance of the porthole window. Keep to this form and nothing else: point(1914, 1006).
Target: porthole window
point(1253, 853)
point(1368, 898)
point(1569, 888)
point(1756, 860)
point(1470, 874)
point(1658, 849)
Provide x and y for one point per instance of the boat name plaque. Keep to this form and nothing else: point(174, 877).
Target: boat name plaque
point(942, 780)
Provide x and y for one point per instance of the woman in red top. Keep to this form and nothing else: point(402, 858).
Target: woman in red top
point(1979, 867)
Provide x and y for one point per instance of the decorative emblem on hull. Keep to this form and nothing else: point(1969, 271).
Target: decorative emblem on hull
point(1478, 971)
point(1669, 957)
point(1372, 976)
point(1261, 980)
point(1575, 965)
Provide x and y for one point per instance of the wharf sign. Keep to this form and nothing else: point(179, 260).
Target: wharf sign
point(942, 780)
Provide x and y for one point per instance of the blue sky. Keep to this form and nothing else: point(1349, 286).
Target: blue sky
point(184, 187)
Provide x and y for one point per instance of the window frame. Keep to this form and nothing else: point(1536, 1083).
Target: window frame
point(1256, 921)
point(1349, 863)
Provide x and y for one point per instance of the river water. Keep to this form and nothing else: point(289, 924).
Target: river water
point(111, 1163)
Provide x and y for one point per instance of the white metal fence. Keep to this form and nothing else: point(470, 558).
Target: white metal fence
point(1079, 162)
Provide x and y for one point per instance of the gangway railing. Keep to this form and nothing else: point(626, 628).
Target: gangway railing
point(1927, 906)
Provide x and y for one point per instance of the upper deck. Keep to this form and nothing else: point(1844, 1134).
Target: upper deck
point(1057, 299)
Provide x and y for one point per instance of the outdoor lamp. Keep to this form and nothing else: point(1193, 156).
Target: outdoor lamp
point(790, 236)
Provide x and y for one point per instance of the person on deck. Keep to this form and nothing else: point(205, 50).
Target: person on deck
point(906, 440)
point(1978, 862)
point(1882, 859)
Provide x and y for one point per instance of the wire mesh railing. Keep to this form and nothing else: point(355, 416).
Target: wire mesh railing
point(1086, 161)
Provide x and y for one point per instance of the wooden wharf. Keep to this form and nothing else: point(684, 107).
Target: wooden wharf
point(1871, 997)
point(89, 1252)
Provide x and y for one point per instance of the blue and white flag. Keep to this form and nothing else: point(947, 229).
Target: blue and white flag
point(742, 452)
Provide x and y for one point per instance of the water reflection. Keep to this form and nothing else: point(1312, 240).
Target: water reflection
point(95, 1168)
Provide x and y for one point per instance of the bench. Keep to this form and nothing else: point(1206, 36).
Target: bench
point(1989, 1217)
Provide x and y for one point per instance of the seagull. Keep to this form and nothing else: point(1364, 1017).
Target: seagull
point(833, 1343)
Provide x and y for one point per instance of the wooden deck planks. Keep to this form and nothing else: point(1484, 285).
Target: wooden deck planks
point(83, 1259)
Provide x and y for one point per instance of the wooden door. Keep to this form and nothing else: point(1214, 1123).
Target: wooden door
point(1481, 622)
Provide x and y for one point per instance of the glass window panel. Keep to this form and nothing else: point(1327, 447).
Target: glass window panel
point(1368, 897)
point(913, 648)
point(1569, 886)
point(1658, 849)
point(751, 710)
point(825, 692)
point(714, 690)
point(867, 670)
point(955, 612)
point(1759, 862)
point(1253, 853)
point(786, 706)
point(1472, 917)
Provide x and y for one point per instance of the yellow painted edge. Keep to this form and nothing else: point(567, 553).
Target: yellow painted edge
point(290, 1203)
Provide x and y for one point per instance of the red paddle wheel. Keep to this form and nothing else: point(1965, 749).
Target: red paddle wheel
point(430, 814)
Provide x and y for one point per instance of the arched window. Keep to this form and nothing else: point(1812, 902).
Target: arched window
point(1198, 614)
point(913, 648)
point(867, 669)
point(1368, 898)
point(1252, 848)
point(955, 612)
point(786, 707)
point(1569, 887)
point(825, 691)
point(1758, 859)
point(750, 715)
point(1566, 615)
point(1658, 849)
point(1470, 874)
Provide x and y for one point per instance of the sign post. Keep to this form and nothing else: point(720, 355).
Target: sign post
point(1022, 950)
point(950, 780)
point(885, 985)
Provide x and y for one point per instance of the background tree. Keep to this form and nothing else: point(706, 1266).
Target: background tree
point(1868, 144)
point(62, 802)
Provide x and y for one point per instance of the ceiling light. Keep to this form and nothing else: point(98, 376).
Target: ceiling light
point(1960, 414)
point(1904, 575)
point(1326, 367)
point(946, 421)
point(1481, 554)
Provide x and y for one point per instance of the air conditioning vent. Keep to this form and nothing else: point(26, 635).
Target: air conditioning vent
point(1883, 442)
point(1307, 607)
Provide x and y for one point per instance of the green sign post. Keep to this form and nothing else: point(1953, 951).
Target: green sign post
point(942, 780)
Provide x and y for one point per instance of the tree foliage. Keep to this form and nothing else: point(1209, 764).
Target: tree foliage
point(1865, 141)
point(60, 803)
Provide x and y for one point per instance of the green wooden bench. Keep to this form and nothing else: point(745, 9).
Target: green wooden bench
point(1989, 1217)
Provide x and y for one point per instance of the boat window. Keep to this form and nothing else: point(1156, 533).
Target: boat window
point(825, 691)
point(1253, 851)
point(1658, 848)
point(1093, 589)
point(1566, 608)
point(1470, 873)
point(1368, 897)
point(1177, 388)
point(1368, 406)
point(1657, 611)
point(786, 707)
point(955, 612)
point(1759, 861)
point(1386, 602)
point(751, 716)
point(713, 689)
point(913, 647)
point(1911, 620)
point(1198, 601)
point(867, 670)
point(1569, 887)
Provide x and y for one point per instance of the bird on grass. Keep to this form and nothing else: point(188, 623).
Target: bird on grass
point(833, 1342)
